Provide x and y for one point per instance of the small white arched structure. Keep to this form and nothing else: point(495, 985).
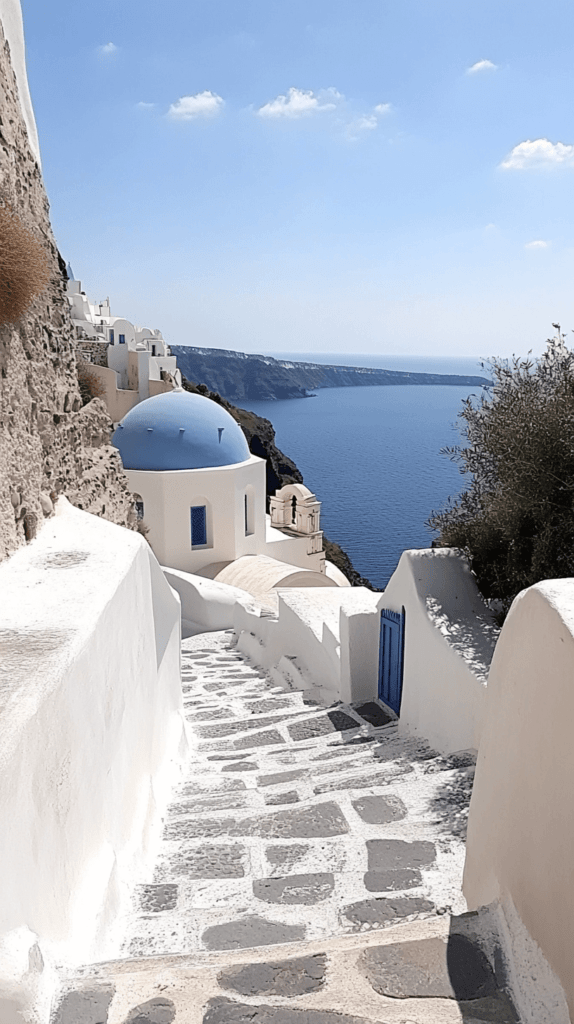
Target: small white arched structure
point(296, 510)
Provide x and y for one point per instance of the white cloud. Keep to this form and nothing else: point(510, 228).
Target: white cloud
point(539, 153)
point(481, 65)
point(382, 108)
point(145, 106)
point(107, 49)
point(298, 103)
point(538, 244)
point(188, 108)
point(365, 123)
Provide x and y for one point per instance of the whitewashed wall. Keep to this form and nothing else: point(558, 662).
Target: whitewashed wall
point(449, 640)
point(11, 18)
point(91, 735)
point(323, 639)
point(521, 824)
point(168, 495)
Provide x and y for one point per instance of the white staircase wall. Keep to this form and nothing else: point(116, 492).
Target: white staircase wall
point(91, 735)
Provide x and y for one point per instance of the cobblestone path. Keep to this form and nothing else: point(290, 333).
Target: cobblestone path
point(298, 839)
point(295, 821)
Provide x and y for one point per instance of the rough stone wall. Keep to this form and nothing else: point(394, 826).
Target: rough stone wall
point(94, 351)
point(49, 444)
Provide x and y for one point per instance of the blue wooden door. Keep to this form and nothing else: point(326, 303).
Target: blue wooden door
point(391, 655)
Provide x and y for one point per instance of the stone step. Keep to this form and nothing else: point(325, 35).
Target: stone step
point(424, 972)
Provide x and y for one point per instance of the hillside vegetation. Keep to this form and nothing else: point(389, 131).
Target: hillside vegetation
point(515, 520)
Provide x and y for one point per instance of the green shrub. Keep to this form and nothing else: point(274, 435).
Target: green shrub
point(515, 520)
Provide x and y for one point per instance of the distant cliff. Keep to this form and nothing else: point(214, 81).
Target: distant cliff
point(239, 375)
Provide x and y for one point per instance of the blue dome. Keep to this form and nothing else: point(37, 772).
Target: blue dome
point(179, 430)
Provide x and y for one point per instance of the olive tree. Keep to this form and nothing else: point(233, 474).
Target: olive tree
point(515, 519)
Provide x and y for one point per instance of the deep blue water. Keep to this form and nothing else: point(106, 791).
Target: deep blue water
point(371, 454)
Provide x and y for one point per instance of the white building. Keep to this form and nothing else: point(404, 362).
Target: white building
point(202, 495)
point(131, 363)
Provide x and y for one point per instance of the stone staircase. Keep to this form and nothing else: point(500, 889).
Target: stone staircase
point(310, 873)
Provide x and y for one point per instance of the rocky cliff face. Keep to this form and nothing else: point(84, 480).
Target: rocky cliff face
point(241, 375)
point(49, 444)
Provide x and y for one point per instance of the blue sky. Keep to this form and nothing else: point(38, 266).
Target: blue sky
point(377, 176)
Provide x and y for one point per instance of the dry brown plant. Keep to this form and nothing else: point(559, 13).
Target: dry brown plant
point(24, 266)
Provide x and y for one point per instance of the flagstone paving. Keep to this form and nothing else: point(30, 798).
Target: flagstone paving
point(313, 830)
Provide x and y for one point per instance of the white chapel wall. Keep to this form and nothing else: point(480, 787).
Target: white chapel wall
point(168, 496)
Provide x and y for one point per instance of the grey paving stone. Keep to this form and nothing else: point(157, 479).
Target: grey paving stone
point(257, 707)
point(315, 822)
point(89, 1005)
point(353, 741)
point(215, 732)
point(452, 968)
point(198, 828)
point(225, 757)
point(393, 879)
point(251, 931)
point(286, 856)
point(373, 713)
point(225, 684)
point(203, 804)
point(290, 797)
point(241, 766)
point(376, 913)
point(333, 721)
point(155, 1011)
point(285, 978)
point(203, 788)
point(363, 781)
point(206, 716)
point(385, 854)
point(331, 755)
point(295, 889)
point(379, 810)
point(277, 778)
point(217, 860)
point(224, 1011)
point(261, 739)
point(156, 898)
point(492, 1010)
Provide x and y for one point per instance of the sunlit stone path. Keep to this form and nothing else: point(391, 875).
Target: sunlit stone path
point(310, 871)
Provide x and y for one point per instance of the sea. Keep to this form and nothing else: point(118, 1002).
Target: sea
point(372, 455)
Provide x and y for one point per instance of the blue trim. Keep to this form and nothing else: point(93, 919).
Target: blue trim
point(391, 658)
point(198, 517)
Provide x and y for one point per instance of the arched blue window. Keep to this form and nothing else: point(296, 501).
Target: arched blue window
point(198, 526)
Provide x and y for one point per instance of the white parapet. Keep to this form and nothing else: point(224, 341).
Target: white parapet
point(91, 736)
point(450, 635)
point(321, 639)
point(521, 821)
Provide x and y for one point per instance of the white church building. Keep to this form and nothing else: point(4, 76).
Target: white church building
point(201, 494)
